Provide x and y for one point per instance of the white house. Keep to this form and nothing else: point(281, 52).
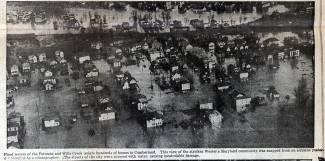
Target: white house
point(96, 45)
point(92, 73)
point(103, 100)
point(12, 137)
point(51, 122)
point(59, 54)
point(14, 70)
point(243, 76)
point(117, 64)
point(223, 86)
point(48, 74)
point(174, 68)
point(211, 47)
point(48, 86)
point(32, 59)
point(118, 52)
point(53, 63)
point(186, 86)
point(215, 119)
point(42, 57)
point(206, 106)
point(82, 59)
point(176, 76)
point(240, 101)
point(294, 53)
point(126, 85)
point(142, 105)
point(154, 122)
point(107, 114)
point(281, 55)
point(270, 59)
point(63, 61)
point(155, 55)
point(145, 46)
point(26, 67)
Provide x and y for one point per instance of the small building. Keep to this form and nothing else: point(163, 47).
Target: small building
point(133, 84)
point(215, 119)
point(206, 106)
point(281, 55)
point(107, 114)
point(222, 86)
point(185, 86)
point(270, 59)
point(49, 122)
point(63, 61)
point(96, 45)
point(154, 122)
point(294, 53)
point(155, 55)
point(239, 101)
point(243, 76)
point(118, 52)
point(211, 47)
point(145, 47)
point(273, 94)
point(14, 70)
point(53, 63)
point(154, 119)
point(42, 57)
point(176, 76)
point(25, 82)
point(126, 85)
point(142, 104)
point(48, 86)
point(92, 73)
point(48, 74)
point(10, 101)
point(117, 64)
point(103, 100)
point(26, 67)
point(12, 137)
point(82, 59)
point(59, 54)
point(32, 59)
point(97, 88)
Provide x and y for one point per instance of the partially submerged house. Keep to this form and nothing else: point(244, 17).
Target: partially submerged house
point(82, 59)
point(239, 101)
point(51, 121)
point(32, 59)
point(26, 67)
point(206, 106)
point(153, 119)
point(14, 70)
point(42, 57)
point(107, 113)
point(215, 119)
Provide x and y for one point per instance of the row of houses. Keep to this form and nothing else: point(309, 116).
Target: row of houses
point(40, 60)
point(15, 131)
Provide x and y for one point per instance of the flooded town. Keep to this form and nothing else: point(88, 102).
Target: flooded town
point(156, 74)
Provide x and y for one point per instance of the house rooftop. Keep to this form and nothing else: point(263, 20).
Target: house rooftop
point(237, 95)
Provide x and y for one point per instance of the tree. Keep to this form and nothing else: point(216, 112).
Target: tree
point(301, 93)
point(75, 77)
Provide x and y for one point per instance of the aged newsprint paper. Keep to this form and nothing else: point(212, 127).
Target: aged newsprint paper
point(162, 80)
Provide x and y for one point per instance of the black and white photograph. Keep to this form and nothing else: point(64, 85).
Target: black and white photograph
point(160, 74)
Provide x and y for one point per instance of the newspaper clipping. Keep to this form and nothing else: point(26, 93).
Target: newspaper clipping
point(162, 80)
